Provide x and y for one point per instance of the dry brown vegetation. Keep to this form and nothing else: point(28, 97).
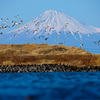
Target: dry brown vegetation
point(16, 54)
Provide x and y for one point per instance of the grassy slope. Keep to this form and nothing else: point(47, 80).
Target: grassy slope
point(46, 54)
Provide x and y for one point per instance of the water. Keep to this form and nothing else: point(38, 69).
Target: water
point(50, 86)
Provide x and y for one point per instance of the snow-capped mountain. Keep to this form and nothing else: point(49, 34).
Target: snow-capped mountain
point(54, 27)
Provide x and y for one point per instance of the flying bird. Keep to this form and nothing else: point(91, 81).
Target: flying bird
point(21, 21)
point(51, 28)
point(68, 32)
point(59, 34)
point(1, 33)
point(55, 39)
point(35, 30)
point(27, 32)
point(61, 43)
point(81, 46)
point(46, 38)
point(34, 38)
point(25, 26)
point(6, 20)
point(12, 21)
point(19, 30)
point(15, 35)
point(13, 25)
point(1, 19)
point(16, 23)
point(8, 26)
point(4, 27)
point(16, 16)
point(97, 42)
point(47, 34)
point(42, 21)
point(76, 32)
point(19, 24)
point(36, 23)
point(66, 24)
point(46, 27)
point(62, 28)
point(41, 36)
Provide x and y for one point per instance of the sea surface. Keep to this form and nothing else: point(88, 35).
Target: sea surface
point(50, 86)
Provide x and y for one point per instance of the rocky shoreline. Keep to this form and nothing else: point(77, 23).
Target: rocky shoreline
point(46, 68)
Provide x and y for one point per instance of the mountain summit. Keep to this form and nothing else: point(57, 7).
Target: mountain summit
point(54, 27)
point(58, 21)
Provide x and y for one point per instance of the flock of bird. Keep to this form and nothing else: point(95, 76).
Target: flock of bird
point(13, 23)
point(47, 29)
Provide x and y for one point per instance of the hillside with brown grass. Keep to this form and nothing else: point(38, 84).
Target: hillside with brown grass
point(17, 54)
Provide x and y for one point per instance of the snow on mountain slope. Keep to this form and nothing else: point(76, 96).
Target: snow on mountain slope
point(57, 20)
point(54, 27)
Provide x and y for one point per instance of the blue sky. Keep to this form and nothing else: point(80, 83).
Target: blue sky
point(87, 11)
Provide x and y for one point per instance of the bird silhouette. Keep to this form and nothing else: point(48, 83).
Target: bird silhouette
point(21, 21)
point(19, 30)
point(19, 24)
point(35, 30)
point(68, 32)
point(1, 19)
point(47, 34)
point(36, 23)
point(16, 16)
point(42, 21)
point(34, 38)
point(76, 32)
point(81, 46)
point(61, 43)
point(27, 32)
point(55, 39)
point(46, 28)
point(1, 33)
point(62, 28)
point(41, 36)
point(98, 42)
point(25, 26)
point(66, 24)
point(46, 38)
point(8, 26)
point(51, 28)
point(6, 20)
point(13, 25)
point(12, 21)
point(15, 35)
point(4, 27)
point(16, 23)
point(59, 34)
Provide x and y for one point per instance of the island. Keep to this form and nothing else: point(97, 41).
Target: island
point(46, 58)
